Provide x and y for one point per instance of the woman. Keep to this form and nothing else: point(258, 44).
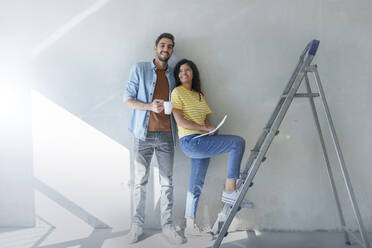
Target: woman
point(191, 113)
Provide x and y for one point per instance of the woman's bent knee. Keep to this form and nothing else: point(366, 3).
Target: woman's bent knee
point(239, 141)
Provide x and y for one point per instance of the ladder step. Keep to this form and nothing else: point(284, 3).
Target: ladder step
point(254, 152)
point(303, 95)
point(244, 204)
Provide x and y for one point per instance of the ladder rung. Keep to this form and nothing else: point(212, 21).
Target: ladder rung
point(311, 68)
point(267, 130)
point(254, 151)
point(303, 95)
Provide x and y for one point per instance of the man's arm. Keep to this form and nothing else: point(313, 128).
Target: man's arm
point(182, 122)
point(156, 105)
point(131, 91)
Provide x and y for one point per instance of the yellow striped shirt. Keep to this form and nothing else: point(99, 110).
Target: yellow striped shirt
point(193, 109)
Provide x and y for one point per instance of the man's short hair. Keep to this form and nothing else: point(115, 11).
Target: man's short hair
point(165, 35)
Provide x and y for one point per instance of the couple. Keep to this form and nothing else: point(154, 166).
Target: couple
point(149, 85)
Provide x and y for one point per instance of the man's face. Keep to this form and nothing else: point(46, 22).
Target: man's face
point(164, 49)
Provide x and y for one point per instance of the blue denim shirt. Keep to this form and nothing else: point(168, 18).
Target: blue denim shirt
point(141, 86)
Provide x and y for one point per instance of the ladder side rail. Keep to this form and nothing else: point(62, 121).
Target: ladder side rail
point(252, 172)
point(300, 66)
point(326, 158)
point(274, 114)
point(341, 160)
point(265, 146)
point(303, 63)
point(248, 165)
point(221, 217)
point(243, 175)
point(294, 74)
point(261, 139)
point(288, 100)
point(306, 57)
point(253, 154)
point(355, 237)
point(263, 135)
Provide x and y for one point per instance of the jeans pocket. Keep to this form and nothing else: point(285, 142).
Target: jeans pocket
point(185, 148)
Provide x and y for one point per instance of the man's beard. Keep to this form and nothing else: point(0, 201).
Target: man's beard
point(162, 59)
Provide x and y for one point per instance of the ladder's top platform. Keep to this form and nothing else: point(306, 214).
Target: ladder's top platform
point(314, 44)
point(311, 48)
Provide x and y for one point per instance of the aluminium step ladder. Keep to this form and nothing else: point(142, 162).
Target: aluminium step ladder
point(257, 155)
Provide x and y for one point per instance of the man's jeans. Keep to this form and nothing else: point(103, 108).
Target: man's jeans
point(200, 150)
point(162, 144)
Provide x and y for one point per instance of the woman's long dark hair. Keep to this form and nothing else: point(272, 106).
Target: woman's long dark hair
point(195, 79)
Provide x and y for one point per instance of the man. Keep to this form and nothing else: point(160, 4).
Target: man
point(149, 85)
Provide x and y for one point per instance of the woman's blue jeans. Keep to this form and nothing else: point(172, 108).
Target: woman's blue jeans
point(200, 150)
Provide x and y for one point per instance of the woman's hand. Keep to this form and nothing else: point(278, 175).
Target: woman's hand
point(181, 121)
point(209, 127)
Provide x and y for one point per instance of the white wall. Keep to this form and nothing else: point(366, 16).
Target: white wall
point(78, 54)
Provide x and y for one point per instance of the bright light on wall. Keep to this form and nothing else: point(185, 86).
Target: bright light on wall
point(83, 172)
point(10, 100)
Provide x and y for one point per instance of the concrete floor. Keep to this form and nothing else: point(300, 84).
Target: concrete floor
point(46, 236)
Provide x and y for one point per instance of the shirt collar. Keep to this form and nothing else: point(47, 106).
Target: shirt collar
point(153, 66)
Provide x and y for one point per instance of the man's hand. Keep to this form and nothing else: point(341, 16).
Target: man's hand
point(157, 105)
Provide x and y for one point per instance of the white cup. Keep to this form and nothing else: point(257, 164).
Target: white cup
point(168, 107)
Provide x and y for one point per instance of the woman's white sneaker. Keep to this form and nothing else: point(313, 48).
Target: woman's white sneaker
point(230, 197)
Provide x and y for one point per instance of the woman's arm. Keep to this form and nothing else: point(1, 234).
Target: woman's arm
point(207, 123)
point(182, 122)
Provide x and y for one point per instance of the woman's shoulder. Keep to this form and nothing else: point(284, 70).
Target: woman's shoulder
point(177, 90)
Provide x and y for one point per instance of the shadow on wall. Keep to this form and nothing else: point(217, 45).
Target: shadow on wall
point(44, 233)
point(100, 233)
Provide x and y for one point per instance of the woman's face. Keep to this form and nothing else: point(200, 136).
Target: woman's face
point(185, 75)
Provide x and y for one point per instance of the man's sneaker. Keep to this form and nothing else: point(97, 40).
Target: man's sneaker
point(135, 232)
point(172, 236)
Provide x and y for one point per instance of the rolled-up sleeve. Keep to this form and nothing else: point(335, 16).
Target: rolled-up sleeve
point(176, 100)
point(131, 88)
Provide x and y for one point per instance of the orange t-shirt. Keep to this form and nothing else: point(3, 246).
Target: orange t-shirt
point(160, 121)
